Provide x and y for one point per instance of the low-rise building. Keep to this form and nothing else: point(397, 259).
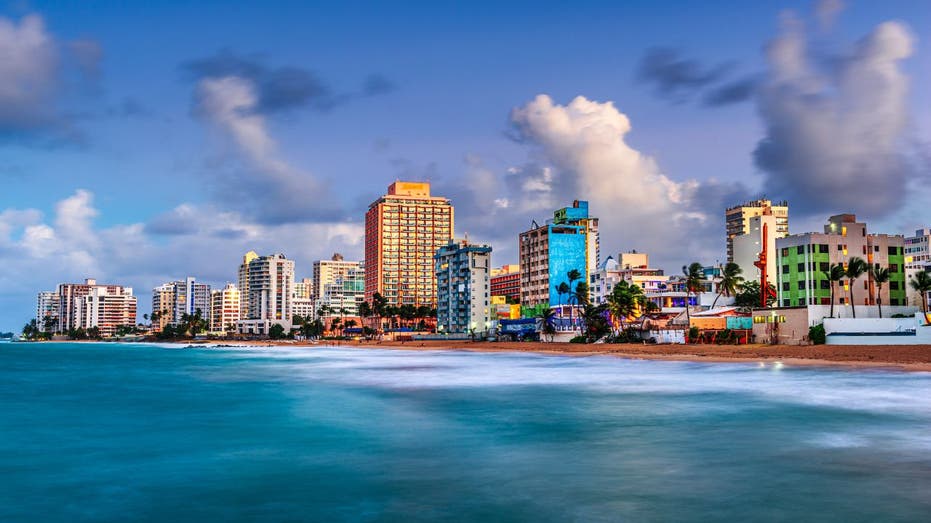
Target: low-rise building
point(505, 282)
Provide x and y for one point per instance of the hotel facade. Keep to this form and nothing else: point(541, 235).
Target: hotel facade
point(403, 231)
point(340, 285)
point(737, 220)
point(269, 297)
point(224, 309)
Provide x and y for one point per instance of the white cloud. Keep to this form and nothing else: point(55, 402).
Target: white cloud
point(28, 72)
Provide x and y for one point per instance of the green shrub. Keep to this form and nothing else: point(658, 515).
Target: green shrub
point(694, 334)
point(579, 339)
point(816, 334)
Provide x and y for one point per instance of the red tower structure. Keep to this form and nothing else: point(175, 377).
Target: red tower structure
point(760, 263)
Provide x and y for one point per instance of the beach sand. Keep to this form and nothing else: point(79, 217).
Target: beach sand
point(904, 357)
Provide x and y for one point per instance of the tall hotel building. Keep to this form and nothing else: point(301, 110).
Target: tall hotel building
point(737, 220)
point(548, 252)
point(244, 282)
point(172, 300)
point(403, 231)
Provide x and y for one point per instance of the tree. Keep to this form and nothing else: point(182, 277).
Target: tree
point(49, 323)
point(297, 320)
point(334, 324)
point(379, 303)
point(856, 267)
point(730, 281)
point(276, 331)
point(561, 289)
point(31, 330)
point(547, 322)
point(365, 311)
point(94, 333)
point(921, 282)
point(312, 329)
point(880, 276)
point(594, 320)
point(748, 295)
point(694, 275)
point(835, 274)
point(625, 301)
point(350, 323)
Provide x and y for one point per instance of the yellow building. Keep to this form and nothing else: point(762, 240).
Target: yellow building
point(403, 231)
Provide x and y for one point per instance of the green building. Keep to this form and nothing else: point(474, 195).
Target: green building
point(804, 262)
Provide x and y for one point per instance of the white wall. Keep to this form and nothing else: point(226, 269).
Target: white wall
point(877, 331)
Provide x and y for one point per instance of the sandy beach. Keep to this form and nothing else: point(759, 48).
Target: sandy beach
point(903, 357)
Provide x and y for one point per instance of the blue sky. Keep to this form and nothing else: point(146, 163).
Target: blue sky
point(125, 156)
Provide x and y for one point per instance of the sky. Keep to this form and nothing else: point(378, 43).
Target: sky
point(143, 142)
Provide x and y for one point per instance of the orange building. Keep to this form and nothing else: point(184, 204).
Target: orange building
point(403, 230)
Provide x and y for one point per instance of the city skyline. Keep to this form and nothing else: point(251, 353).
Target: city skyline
point(249, 144)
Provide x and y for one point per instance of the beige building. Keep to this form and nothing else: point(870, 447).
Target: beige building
point(341, 285)
point(403, 230)
point(737, 220)
point(69, 294)
point(224, 309)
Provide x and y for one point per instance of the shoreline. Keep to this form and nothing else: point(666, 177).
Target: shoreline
point(912, 358)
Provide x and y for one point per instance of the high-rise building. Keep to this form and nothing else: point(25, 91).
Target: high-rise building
point(270, 295)
point(463, 275)
point(224, 309)
point(547, 253)
point(403, 230)
point(737, 220)
point(804, 263)
point(505, 282)
point(69, 294)
point(748, 246)
point(340, 284)
point(172, 300)
point(106, 308)
point(48, 308)
point(244, 283)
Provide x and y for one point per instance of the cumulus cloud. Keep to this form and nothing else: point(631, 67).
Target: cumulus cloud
point(281, 88)
point(834, 136)
point(579, 151)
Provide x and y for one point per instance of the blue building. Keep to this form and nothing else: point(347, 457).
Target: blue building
point(548, 252)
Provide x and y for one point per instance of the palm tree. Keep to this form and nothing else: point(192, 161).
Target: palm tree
point(562, 288)
point(880, 276)
point(856, 267)
point(625, 300)
point(835, 275)
point(365, 311)
point(547, 318)
point(730, 281)
point(693, 277)
point(572, 275)
point(921, 282)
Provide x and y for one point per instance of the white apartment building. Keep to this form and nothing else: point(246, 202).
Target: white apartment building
point(748, 246)
point(632, 267)
point(270, 294)
point(70, 293)
point(47, 306)
point(917, 259)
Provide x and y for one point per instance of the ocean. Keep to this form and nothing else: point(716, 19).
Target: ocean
point(111, 432)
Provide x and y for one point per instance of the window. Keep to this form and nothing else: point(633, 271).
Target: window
point(785, 286)
point(801, 284)
point(823, 248)
point(824, 267)
point(893, 301)
point(825, 284)
point(800, 249)
point(893, 267)
point(893, 285)
point(876, 248)
point(801, 267)
point(785, 269)
point(785, 251)
point(785, 303)
point(892, 250)
point(840, 247)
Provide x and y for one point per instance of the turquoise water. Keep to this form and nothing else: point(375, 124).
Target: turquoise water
point(148, 433)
